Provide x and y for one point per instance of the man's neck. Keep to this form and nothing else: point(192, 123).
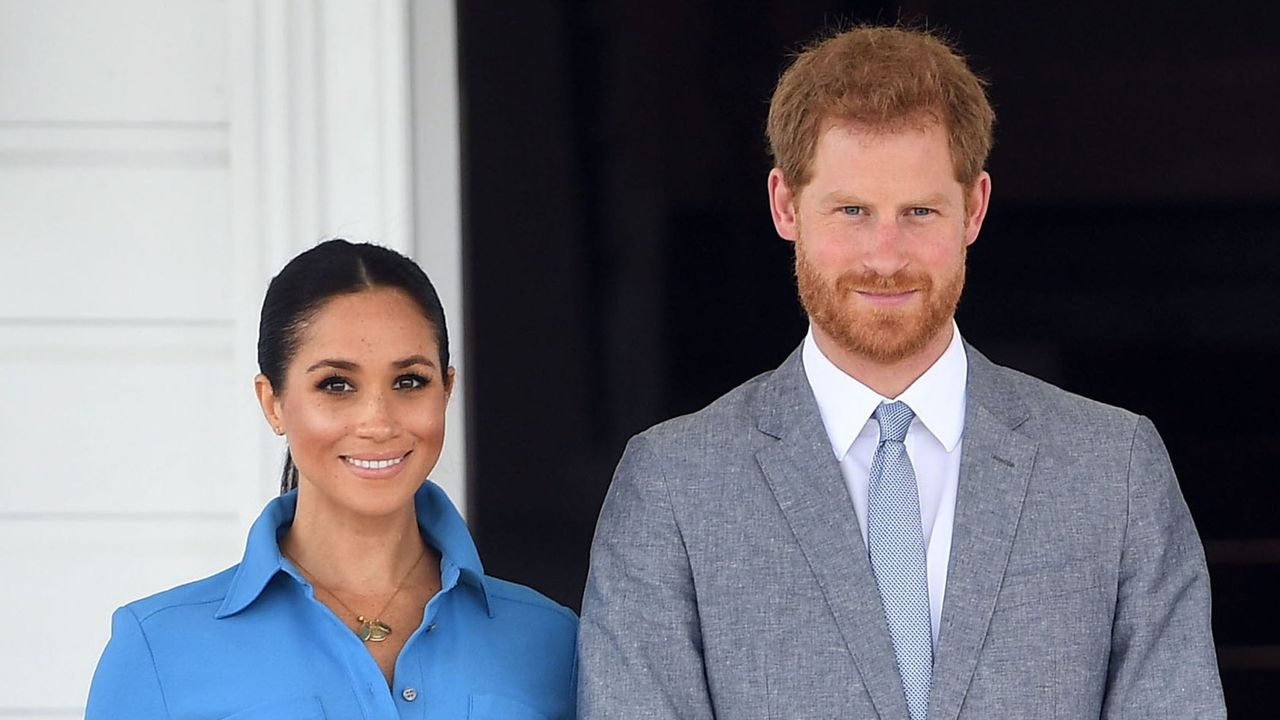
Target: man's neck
point(887, 379)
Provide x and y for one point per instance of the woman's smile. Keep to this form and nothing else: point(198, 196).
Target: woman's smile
point(375, 465)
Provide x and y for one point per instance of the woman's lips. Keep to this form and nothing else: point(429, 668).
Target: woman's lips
point(375, 465)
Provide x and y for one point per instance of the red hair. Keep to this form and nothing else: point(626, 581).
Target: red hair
point(886, 78)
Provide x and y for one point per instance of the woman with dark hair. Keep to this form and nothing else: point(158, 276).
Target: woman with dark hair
point(360, 594)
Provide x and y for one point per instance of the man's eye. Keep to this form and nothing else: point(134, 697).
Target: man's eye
point(920, 212)
point(335, 385)
point(410, 382)
point(853, 210)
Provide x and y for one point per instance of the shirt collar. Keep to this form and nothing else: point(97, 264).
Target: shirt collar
point(441, 526)
point(937, 397)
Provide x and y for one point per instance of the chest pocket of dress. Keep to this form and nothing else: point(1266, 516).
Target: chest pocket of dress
point(496, 707)
point(285, 709)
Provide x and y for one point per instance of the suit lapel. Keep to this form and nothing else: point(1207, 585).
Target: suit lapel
point(994, 470)
point(806, 483)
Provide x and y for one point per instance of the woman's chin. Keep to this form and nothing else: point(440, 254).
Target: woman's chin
point(364, 497)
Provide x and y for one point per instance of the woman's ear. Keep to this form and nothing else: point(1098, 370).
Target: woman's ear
point(449, 376)
point(270, 403)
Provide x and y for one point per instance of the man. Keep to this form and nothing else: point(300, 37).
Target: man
point(889, 525)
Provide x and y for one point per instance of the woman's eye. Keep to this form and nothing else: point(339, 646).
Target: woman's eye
point(410, 382)
point(336, 385)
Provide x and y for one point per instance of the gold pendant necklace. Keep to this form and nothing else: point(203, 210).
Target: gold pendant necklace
point(370, 630)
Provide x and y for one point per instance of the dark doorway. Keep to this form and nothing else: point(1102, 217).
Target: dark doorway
point(621, 267)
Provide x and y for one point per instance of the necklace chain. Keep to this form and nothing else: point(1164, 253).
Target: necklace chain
point(371, 629)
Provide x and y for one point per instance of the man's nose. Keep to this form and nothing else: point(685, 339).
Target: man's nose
point(886, 251)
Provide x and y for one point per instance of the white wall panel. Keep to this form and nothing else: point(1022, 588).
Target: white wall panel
point(122, 61)
point(101, 563)
point(118, 419)
point(113, 237)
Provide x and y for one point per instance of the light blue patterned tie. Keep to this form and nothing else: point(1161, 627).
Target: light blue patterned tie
point(896, 545)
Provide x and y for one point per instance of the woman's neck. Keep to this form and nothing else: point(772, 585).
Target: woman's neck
point(352, 552)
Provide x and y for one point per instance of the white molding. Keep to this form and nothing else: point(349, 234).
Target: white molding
point(362, 48)
point(133, 145)
point(254, 226)
point(74, 340)
point(438, 201)
point(396, 108)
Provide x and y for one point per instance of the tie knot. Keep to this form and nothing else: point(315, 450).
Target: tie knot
point(894, 419)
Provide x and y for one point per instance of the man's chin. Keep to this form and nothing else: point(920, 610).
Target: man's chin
point(884, 352)
point(882, 339)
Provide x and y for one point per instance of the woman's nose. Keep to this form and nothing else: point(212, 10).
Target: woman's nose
point(377, 418)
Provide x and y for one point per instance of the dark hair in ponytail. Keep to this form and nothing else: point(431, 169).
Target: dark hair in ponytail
point(330, 269)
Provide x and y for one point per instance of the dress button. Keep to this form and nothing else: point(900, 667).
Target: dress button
point(409, 694)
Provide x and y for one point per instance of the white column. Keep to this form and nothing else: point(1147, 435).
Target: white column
point(437, 196)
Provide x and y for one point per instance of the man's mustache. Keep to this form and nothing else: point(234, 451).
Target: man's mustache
point(872, 282)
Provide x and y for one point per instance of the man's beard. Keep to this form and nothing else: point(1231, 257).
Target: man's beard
point(882, 335)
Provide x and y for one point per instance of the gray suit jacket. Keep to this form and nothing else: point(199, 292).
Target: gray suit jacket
point(729, 578)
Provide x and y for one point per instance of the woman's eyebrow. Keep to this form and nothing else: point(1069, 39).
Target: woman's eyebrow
point(413, 360)
point(334, 363)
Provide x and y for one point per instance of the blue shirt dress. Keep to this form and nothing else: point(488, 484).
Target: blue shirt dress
point(252, 642)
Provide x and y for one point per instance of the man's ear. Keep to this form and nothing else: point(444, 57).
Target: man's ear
point(782, 203)
point(976, 207)
point(270, 403)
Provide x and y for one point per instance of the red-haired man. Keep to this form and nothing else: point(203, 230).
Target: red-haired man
point(889, 525)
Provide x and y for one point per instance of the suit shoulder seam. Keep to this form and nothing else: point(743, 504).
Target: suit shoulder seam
point(666, 489)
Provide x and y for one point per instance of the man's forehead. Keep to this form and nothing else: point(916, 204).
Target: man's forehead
point(871, 195)
point(922, 123)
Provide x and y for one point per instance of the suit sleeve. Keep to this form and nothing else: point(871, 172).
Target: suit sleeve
point(126, 685)
point(1163, 663)
point(640, 654)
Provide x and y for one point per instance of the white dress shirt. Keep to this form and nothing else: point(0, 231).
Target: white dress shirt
point(933, 443)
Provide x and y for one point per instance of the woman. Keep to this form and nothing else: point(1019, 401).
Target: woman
point(360, 594)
